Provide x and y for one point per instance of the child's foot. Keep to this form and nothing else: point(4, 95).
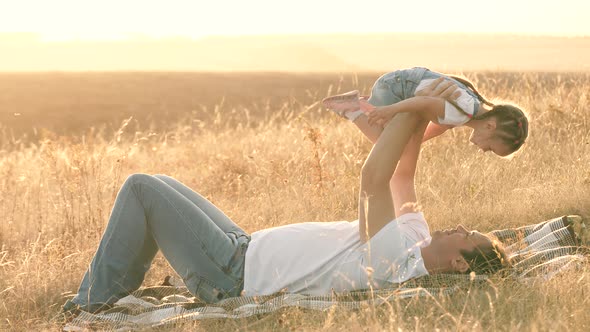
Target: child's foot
point(346, 105)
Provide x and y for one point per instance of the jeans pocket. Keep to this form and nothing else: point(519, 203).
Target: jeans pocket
point(387, 89)
point(411, 78)
point(207, 292)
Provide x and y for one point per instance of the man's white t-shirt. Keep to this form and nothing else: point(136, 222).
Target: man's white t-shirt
point(318, 257)
point(460, 111)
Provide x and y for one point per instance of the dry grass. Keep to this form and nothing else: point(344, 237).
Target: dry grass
point(273, 163)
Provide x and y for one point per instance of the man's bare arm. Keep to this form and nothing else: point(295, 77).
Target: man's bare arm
point(434, 130)
point(402, 184)
point(376, 207)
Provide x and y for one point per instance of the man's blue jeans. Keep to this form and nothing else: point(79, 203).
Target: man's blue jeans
point(156, 212)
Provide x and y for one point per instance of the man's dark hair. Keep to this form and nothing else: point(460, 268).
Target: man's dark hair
point(487, 259)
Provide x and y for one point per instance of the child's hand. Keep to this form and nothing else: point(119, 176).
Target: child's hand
point(380, 116)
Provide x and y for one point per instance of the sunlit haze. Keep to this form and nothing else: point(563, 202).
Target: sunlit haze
point(111, 19)
point(302, 35)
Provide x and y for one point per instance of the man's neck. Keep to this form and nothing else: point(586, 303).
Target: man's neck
point(431, 262)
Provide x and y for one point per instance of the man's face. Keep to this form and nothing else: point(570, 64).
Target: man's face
point(450, 242)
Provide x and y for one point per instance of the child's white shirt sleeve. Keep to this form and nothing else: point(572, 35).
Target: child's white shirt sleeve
point(457, 113)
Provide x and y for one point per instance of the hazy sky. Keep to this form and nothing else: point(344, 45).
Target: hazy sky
point(111, 19)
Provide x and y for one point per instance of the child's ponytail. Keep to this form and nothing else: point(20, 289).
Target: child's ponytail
point(470, 85)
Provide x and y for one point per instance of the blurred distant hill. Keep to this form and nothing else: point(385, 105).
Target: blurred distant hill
point(300, 53)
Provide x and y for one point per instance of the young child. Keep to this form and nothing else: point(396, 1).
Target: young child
point(501, 128)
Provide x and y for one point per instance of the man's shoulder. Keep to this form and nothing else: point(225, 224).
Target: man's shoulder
point(411, 216)
point(414, 223)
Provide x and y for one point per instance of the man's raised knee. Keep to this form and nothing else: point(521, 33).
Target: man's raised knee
point(137, 178)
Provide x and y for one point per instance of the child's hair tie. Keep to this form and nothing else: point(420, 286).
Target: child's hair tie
point(519, 124)
point(516, 141)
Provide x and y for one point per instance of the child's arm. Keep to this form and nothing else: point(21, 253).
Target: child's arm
point(426, 108)
point(439, 87)
point(454, 111)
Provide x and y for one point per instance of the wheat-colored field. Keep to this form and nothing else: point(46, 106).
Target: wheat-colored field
point(259, 147)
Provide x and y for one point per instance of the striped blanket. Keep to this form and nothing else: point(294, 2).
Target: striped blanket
point(539, 251)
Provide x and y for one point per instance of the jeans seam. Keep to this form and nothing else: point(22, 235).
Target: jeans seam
point(102, 255)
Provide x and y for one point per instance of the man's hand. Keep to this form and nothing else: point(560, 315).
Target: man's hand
point(440, 88)
point(444, 89)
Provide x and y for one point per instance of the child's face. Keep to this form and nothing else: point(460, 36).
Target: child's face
point(484, 137)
